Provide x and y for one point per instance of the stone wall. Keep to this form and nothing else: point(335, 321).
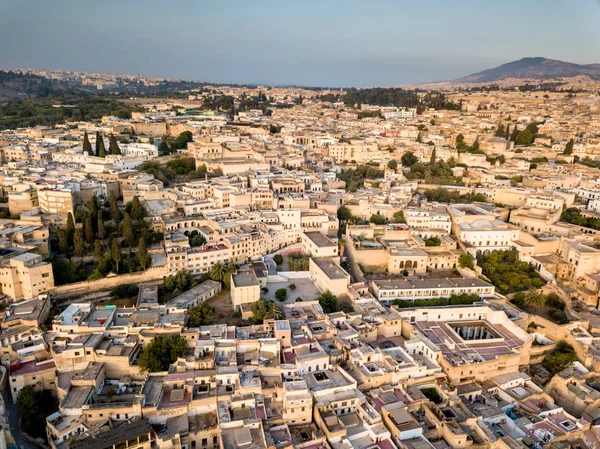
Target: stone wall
point(85, 287)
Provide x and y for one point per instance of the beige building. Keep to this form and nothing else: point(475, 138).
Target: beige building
point(318, 244)
point(40, 375)
point(245, 288)
point(328, 275)
point(26, 276)
point(56, 201)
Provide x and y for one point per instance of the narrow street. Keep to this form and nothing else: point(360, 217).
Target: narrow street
point(13, 420)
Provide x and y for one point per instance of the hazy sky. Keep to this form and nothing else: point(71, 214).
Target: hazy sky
point(305, 42)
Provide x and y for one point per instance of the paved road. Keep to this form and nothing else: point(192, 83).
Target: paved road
point(13, 420)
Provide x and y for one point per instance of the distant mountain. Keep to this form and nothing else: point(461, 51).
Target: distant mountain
point(536, 68)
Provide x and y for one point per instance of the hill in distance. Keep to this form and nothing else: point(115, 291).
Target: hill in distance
point(535, 68)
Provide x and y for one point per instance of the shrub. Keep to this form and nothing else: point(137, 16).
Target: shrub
point(560, 358)
point(124, 291)
point(278, 258)
point(281, 294)
point(292, 287)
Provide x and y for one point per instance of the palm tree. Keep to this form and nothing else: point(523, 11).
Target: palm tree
point(535, 298)
point(218, 271)
point(273, 311)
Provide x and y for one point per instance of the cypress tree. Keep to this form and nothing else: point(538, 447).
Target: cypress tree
point(70, 228)
point(514, 133)
point(101, 232)
point(100, 150)
point(433, 155)
point(500, 130)
point(87, 146)
point(113, 146)
point(507, 132)
point(88, 229)
point(142, 254)
point(569, 147)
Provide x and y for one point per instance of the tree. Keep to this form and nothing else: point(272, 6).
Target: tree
point(278, 258)
point(507, 132)
point(33, 407)
point(200, 315)
point(127, 231)
point(569, 147)
point(535, 298)
point(113, 146)
point(524, 137)
point(100, 150)
point(115, 252)
point(161, 352)
point(433, 241)
point(98, 251)
point(63, 241)
point(408, 159)
point(88, 230)
point(419, 138)
point(79, 244)
point(87, 146)
point(281, 294)
point(181, 282)
point(466, 261)
point(70, 227)
point(137, 210)
point(500, 131)
point(144, 258)
point(93, 206)
point(533, 128)
point(218, 272)
point(329, 302)
point(344, 214)
point(115, 212)
point(377, 219)
point(399, 217)
point(265, 309)
point(560, 358)
point(393, 164)
point(513, 135)
point(100, 226)
point(432, 158)
point(163, 148)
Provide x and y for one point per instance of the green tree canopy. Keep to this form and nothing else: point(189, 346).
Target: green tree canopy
point(524, 137)
point(33, 407)
point(408, 159)
point(200, 315)
point(466, 261)
point(161, 352)
point(377, 219)
point(329, 302)
point(344, 214)
point(393, 164)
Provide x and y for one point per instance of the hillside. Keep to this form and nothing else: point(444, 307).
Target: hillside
point(535, 68)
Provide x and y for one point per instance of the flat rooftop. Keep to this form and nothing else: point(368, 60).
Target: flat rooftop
point(245, 278)
point(331, 269)
point(319, 239)
point(184, 299)
point(459, 351)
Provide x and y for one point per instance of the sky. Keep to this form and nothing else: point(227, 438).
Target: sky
point(303, 42)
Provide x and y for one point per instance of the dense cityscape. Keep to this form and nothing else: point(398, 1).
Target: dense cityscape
point(220, 265)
